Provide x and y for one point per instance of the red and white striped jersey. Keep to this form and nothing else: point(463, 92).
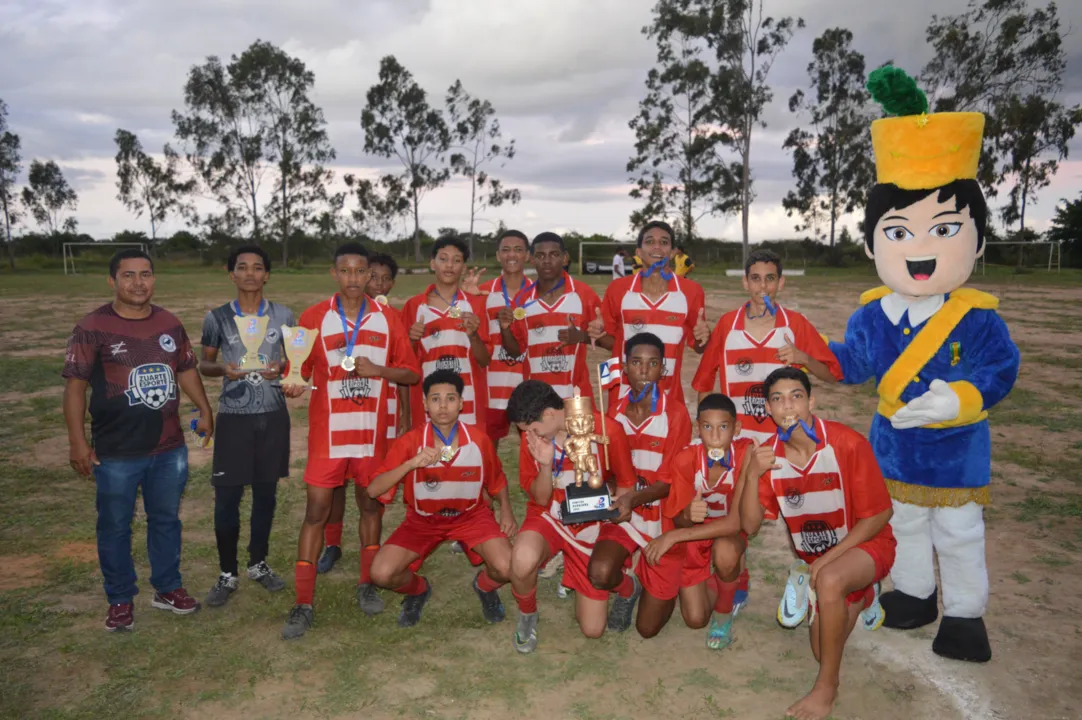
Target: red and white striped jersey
point(821, 502)
point(346, 414)
point(745, 363)
point(660, 436)
point(584, 535)
point(446, 346)
point(691, 474)
point(627, 311)
point(505, 372)
point(564, 368)
point(452, 488)
point(392, 398)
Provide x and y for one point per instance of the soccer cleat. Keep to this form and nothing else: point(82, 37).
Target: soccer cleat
point(369, 599)
point(525, 637)
point(793, 607)
point(720, 634)
point(491, 605)
point(219, 594)
point(178, 602)
point(740, 599)
point(554, 565)
point(301, 618)
point(412, 605)
point(121, 617)
point(623, 608)
point(330, 555)
point(262, 574)
point(872, 617)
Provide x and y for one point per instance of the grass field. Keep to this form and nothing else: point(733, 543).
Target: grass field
point(57, 661)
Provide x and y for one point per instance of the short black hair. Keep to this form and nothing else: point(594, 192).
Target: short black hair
point(548, 237)
point(762, 256)
point(716, 401)
point(128, 254)
point(529, 401)
point(888, 196)
point(655, 224)
point(350, 248)
point(386, 261)
point(644, 338)
point(786, 373)
point(444, 377)
point(513, 234)
point(450, 241)
point(231, 263)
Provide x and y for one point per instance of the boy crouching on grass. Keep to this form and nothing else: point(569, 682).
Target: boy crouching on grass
point(823, 479)
point(446, 466)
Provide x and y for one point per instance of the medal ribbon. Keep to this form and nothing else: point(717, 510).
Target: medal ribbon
point(450, 304)
point(528, 290)
point(446, 442)
point(770, 308)
point(726, 462)
point(351, 340)
point(506, 297)
point(787, 433)
point(661, 266)
point(262, 308)
point(649, 387)
point(558, 467)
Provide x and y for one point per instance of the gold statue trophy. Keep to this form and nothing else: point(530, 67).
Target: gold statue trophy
point(298, 345)
point(252, 329)
point(589, 501)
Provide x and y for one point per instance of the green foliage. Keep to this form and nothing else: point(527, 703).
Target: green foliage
point(49, 198)
point(10, 167)
point(897, 92)
point(143, 184)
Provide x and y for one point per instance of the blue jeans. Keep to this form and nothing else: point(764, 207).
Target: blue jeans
point(163, 478)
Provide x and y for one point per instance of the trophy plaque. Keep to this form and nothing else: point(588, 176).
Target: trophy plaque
point(590, 500)
point(298, 344)
point(252, 329)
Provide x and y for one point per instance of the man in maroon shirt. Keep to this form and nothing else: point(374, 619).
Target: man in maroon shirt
point(134, 355)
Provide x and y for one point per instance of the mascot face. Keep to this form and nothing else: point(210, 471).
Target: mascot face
point(927, 248)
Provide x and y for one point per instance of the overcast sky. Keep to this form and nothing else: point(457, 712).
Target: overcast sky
point(565, 76)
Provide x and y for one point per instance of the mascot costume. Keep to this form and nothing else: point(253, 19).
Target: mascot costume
point(940, 355)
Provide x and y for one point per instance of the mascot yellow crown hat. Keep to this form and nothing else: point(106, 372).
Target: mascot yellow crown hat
point(579, 405)
point(915, 150)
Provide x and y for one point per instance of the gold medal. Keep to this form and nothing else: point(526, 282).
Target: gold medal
point(348, 363)
point(716, 454)
point(446, 454)
point(789, 421)
point(519, 313)
point(381, 299)
point(454, 312)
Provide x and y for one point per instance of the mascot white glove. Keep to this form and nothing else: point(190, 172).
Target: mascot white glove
point(939, 404)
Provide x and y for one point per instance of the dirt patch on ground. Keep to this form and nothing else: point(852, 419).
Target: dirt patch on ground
point(80, 551)
point(21, 571)
point(15, 397)
point(49, 453)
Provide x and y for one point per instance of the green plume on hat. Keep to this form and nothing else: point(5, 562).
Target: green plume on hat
point(898, 93)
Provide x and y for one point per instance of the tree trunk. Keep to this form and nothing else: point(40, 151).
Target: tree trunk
point(473, 205)
point(7, 231)
point(746, 200)
point(1022, 215)
point(285, 224)
point(833, 211)
point(416, 227)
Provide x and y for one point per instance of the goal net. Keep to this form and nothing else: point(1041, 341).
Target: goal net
point(1038, 255)
point(595, 258)
point(70, 252)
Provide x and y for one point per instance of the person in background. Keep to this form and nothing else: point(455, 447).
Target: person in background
point(618, 270)
point(682, 262)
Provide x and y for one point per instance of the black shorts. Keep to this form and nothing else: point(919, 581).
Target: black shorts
point(250, 448)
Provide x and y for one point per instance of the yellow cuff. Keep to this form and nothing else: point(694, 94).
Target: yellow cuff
point(971, 409)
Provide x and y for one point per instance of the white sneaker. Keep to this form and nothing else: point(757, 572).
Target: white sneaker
point(872, 617)
point(563, 592)
point(793, 608)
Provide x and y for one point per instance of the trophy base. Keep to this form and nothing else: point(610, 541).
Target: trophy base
point(294, 378)
point(583, 503)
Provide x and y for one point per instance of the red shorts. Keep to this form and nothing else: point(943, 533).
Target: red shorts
point(423, 533)
point(881, 549)
point(497, 425)
point(615, 533)
point(698, 560)
point(334, 472)
point(576, 555)
point(662, 581)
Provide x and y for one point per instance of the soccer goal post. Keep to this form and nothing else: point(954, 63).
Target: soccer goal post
point(69, 255)
point(595, 258)
point(1040, 254)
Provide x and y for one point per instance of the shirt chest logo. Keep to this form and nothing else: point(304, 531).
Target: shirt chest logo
point(151, 385)
point(167, 343)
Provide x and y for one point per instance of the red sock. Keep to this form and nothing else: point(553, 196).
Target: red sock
point(367, 555)
point(304, 577)
point(487, 584)
point(742, 581)
point(332, 534)
point(415, 586)
point(626, 588)
point(526, 603)
point(726, 591)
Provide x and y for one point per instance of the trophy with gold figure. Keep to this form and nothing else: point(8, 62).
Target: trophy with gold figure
point(298, 344)
point(252, 330)
point(589, 501)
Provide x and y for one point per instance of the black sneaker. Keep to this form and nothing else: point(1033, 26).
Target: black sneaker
point(219, 594)
point(412, 606)
point(301, 618)
point(262, 574)
point(330, 555)
point(623, 608)
point(491, 605)
point(369, 599)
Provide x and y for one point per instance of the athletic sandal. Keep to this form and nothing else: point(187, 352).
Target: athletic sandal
point(793, 607)
point(121, 617)
point(720, 634)
point(262, 574)
point(330, 555)
point(491, 605)
point(872, 617)
point(525, 637)
point(412, 605)
point(623, 609)
point(219, 594)
point(178, 602)
point(369, 599)
point(301, 618)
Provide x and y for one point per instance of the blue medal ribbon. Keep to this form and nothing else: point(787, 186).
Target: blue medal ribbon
point(661, 266)
point(448, 442)
point(558, 466)
point(771, 308)
point(262, 308)
point(351, 340)
point(785, 434)
point(528, 290)
point(450, 304)
point(506, 297)
point(726, 462)
point(649, 387)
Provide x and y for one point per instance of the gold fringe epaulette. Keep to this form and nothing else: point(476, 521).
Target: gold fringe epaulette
point(933, 497)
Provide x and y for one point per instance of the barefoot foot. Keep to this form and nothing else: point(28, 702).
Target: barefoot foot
point(816, 705)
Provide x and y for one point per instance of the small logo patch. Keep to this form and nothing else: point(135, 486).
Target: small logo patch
point(794, 499)
point(956, 353)
point(744, 366)
point(167, 343)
